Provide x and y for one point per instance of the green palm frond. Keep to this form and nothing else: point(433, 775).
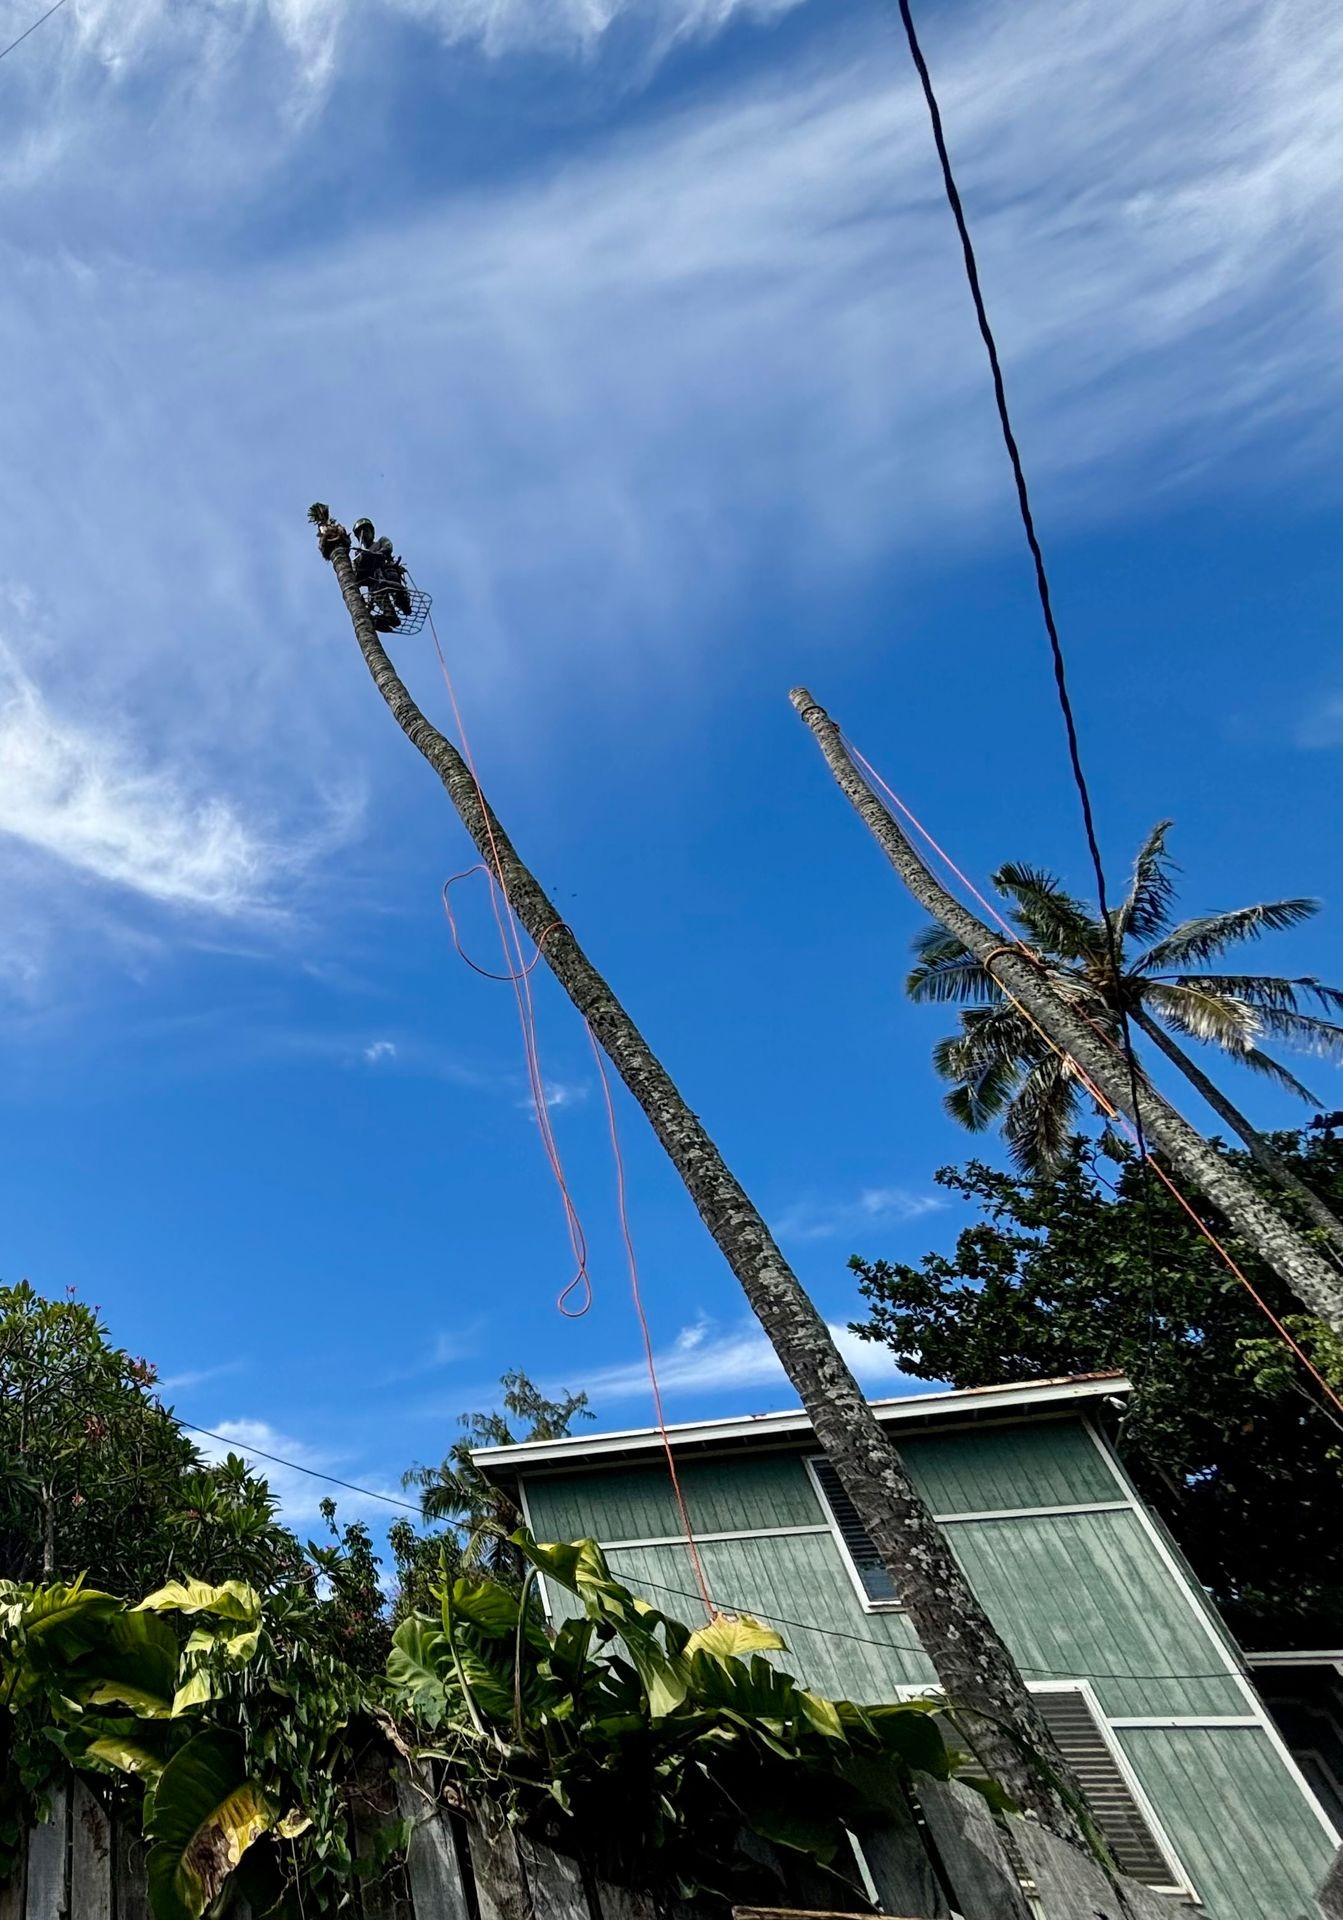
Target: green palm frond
point(986, 1059)
point(1206, 937)
point(1215, 1017)
point(1267, 989)
point(1260, 1062)
point(1043, 1115)
point(1051, 918)
point(1304, 1030)
point(961, 980)
point(1145, 912)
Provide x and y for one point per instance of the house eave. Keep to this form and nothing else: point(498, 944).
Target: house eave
point(945, 1406)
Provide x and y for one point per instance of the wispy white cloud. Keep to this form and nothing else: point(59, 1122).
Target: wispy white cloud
point(76, 790)
point(708, 1359)
point(825, 1219)
point(298, 1492)
point(559, 1094)
point(726, 341)
point(198, 1376)
point(378, 1050)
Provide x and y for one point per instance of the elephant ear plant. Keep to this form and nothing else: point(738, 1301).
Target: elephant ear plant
point(643, 1746)
point(222, 1718)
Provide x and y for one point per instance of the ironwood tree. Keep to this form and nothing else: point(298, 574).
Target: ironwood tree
point(1091, 1268)
point(971, 1660)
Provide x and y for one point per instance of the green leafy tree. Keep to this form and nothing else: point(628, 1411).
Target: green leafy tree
point(480, 1517)
point(1226, 1433)
point(97, 1478)
point(1167, 984)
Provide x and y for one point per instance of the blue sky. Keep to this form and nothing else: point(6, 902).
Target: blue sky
point(641, 327)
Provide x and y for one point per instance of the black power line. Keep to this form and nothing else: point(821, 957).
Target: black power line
point(33, 29)
point(957, 207)
point(242, 1446)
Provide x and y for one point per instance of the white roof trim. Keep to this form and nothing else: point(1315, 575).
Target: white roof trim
point(584, 1448)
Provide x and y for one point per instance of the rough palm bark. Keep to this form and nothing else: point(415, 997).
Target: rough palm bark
point(1254, 1142)
point(972, 1663)
point(1314, 1282)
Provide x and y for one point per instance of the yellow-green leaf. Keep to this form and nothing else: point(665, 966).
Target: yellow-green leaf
point(726, 1639)
point(125, 1755)
point(294, 1823)
point(206, 1813)
point(821, 1713)
point(232, 1600)
point(194, 1691)
point(149, 1706)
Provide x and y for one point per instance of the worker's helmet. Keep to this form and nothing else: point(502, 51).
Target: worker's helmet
point(363, 532)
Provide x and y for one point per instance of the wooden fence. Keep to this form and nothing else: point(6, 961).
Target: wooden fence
point(947, 1856)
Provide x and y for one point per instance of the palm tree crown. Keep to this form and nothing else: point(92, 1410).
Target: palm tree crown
point(1003, 1069)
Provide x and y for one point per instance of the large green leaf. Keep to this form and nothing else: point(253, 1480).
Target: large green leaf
point(206, 1814)
point(126, 1755)
point(232, 1600)
point(417, 1666)
point(134, 1662)
point(493, 1611)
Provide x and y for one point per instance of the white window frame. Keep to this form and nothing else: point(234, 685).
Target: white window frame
point(865, 1600)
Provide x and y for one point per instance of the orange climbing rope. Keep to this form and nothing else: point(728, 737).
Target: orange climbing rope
point(1106, 1105)
point(517, 973)
point(701, 1580)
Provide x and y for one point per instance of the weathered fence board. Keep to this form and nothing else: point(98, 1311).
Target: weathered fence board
point(554, 1882)
point(47, 1849)
point(901, 1871)
point(437, 1890)
point(130, 1888)
point(501, 1888)
point(90, 1856)
point(623, 1903)
point(984, 1884)
point(1330, 1898)
point(83, 1865)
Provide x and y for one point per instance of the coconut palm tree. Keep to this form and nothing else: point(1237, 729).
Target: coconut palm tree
point(1002, 1068)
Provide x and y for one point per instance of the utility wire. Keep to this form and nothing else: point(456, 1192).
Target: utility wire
point(295, 1466)
point(957, 207)
point(33, 29)
point(735, 1606)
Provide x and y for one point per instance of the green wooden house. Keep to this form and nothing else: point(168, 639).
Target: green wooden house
point(1142, 1684)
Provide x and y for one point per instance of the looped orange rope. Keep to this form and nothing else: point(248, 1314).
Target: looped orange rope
point(517, 975)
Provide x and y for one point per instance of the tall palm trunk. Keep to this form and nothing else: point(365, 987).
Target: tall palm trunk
point(970, 1659)
point(1313, 1281)
point(1255, 1144)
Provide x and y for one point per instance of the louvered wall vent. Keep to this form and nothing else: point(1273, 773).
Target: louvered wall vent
point(876, 1582)
point(1067, 1713)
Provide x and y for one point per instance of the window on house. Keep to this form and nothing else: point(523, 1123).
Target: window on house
point(1084, 1744)
point(871, 1576)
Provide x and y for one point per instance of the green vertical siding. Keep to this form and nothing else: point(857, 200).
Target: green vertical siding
point(1050, 1464)
point(1075, 1595)
point(636, 1503)
point(1239, 1822)
point(1087, 1594)
point(800, 1578)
